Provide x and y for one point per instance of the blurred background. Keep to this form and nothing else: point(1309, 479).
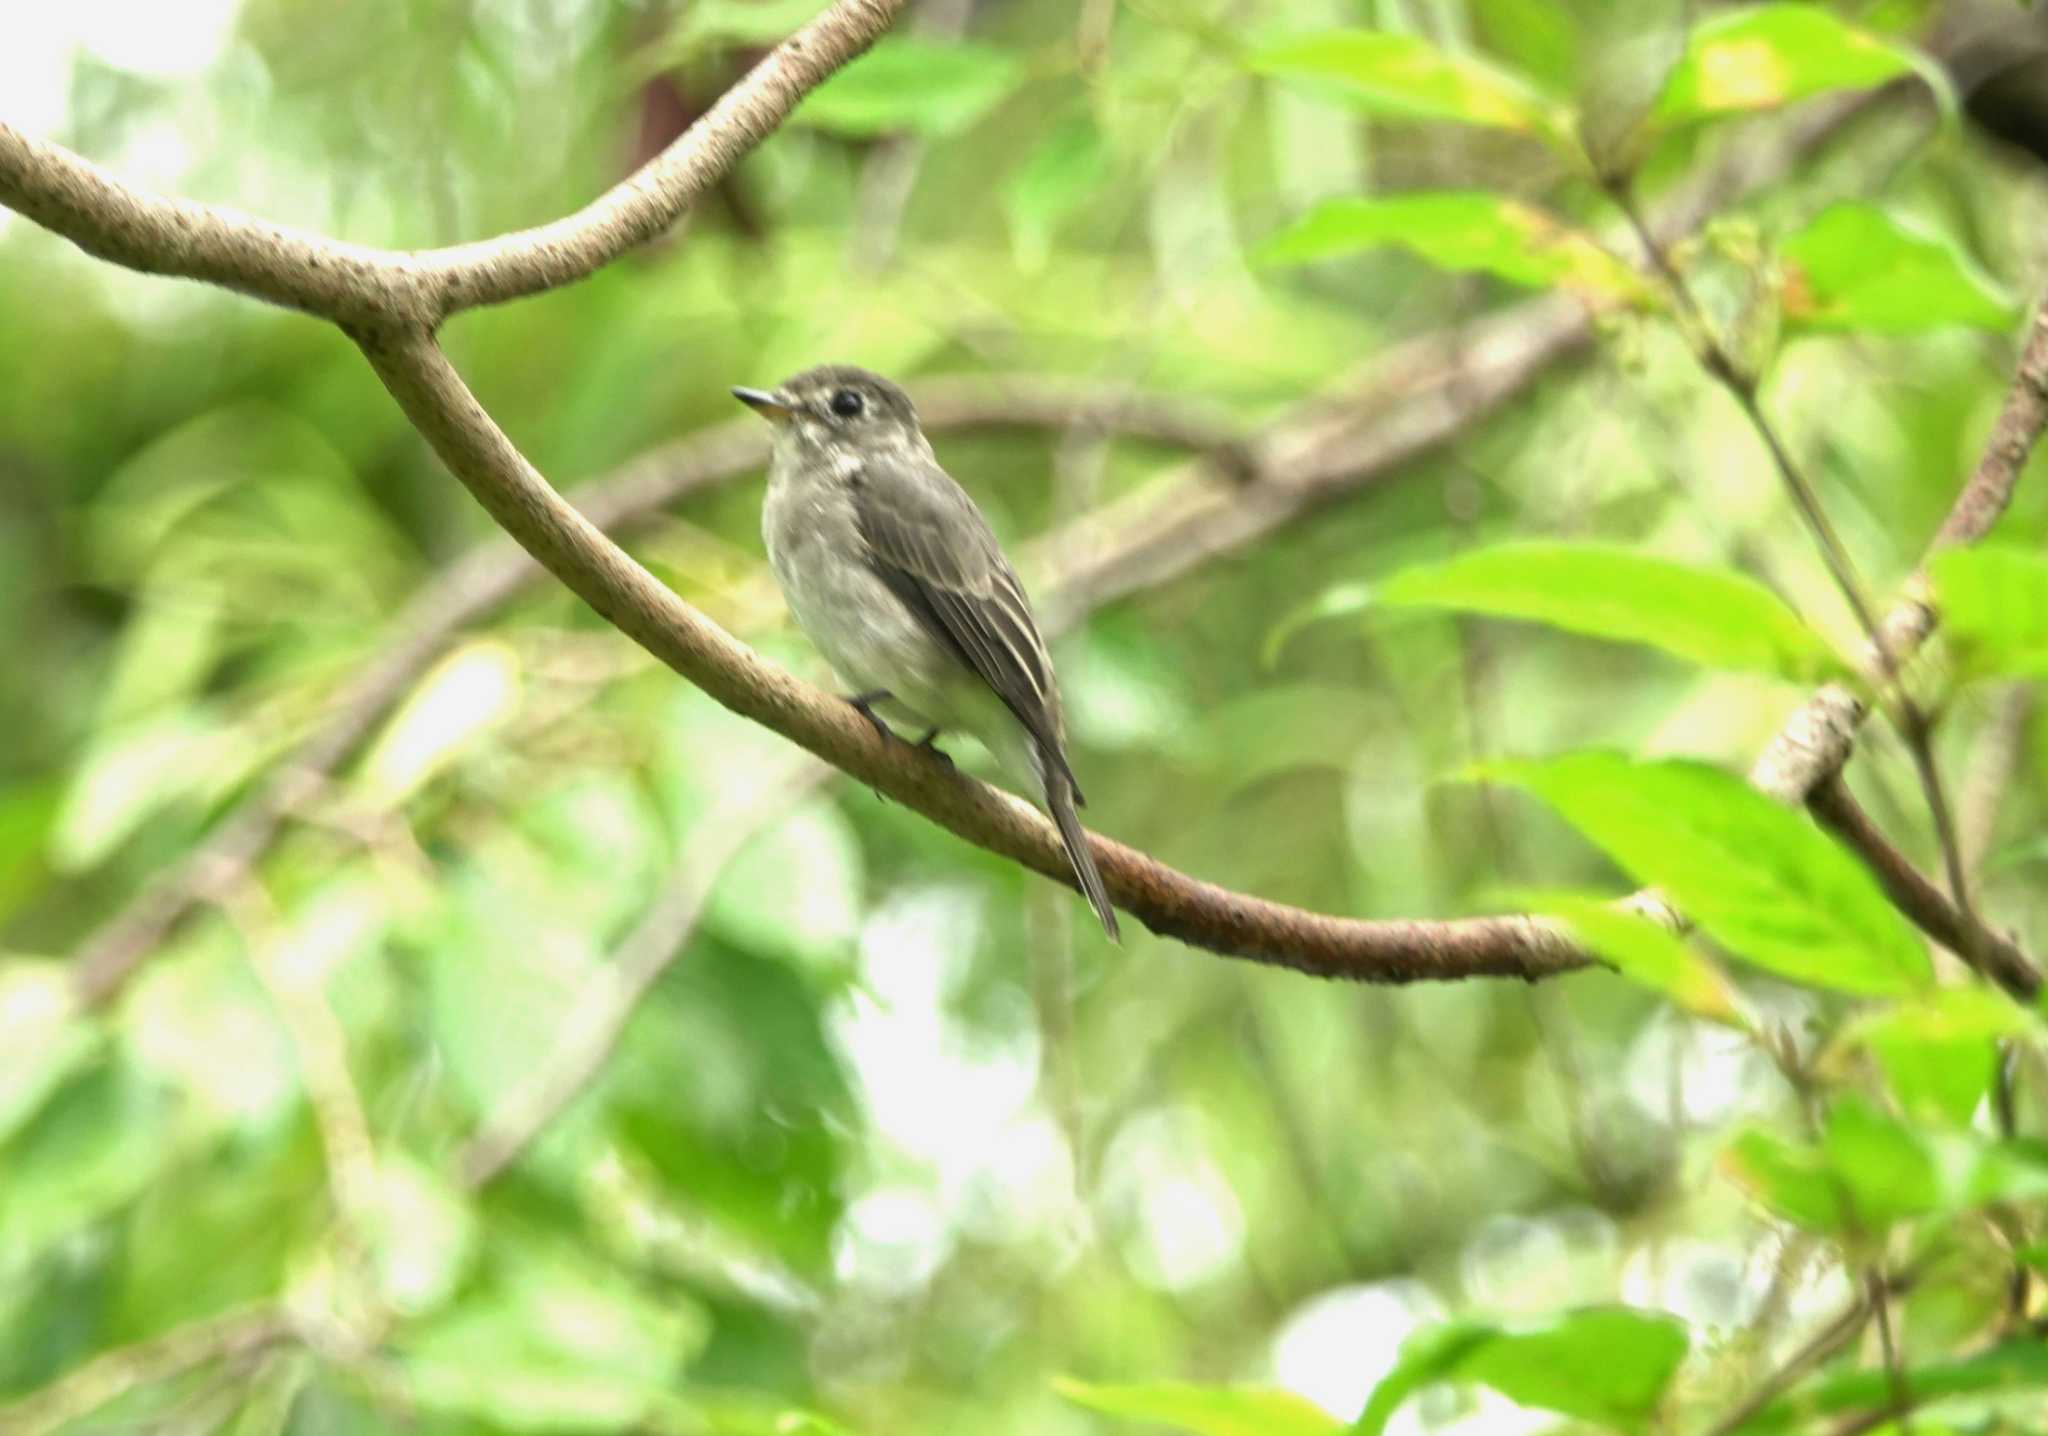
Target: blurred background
point(559, 1052)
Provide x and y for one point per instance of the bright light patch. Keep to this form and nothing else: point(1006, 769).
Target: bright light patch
point(1337, 1346)
point(1706, 1285)
point(1536, 1264)
point(463, 698)
point(891, 1242)
point(149, 37)
point(1180, 1221)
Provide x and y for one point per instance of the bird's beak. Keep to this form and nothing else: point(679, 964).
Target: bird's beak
point(763, 403)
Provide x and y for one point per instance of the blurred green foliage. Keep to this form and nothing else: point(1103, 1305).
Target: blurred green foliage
point(894, 1143)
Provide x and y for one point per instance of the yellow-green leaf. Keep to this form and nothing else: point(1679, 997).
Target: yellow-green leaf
point(1463, 231)
point(1407, 77)
point(1770, 56)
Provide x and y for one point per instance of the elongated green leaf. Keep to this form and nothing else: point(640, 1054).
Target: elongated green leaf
point(1643, 952)
point(1856, 268)
point(917, 85)
point(1463, 231)
point(1760, 879)
point(1205, 1410)
point(1770, 56)
point(1708, 616)
point(1994, 609)
point(1608, 1364)
point(1407, 77)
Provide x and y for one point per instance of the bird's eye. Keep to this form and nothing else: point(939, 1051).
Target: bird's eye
point(847, 403)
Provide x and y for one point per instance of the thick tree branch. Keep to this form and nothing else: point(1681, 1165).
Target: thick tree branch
point(494, 573)
point(1172, 904)
point(367, 288)
point(396, 337)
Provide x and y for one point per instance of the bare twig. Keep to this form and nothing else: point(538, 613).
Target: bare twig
point(1816, 742)
point(1834, 1335)
point(1741, 385)
point(1998, 957)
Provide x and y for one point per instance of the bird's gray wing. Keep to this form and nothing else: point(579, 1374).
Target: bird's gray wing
point(933, 548)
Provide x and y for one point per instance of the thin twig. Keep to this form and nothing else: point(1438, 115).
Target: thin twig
point(1997, 957)
point(1907, 715)
point(1835, 1335)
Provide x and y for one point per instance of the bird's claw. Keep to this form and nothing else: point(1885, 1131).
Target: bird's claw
point(929, 742)
point(864, 704)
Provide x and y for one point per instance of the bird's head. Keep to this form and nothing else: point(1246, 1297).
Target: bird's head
point(835, 408)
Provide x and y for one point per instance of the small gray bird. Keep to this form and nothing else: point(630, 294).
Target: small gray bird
point(895, 575)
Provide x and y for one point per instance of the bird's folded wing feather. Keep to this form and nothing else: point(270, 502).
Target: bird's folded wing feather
point(931, 545)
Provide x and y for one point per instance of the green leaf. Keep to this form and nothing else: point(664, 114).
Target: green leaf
point(1205, 1410)
point(1939, 1053)
point(1770, 56)
point(908, 84)
point(219, 1229)
point(1856, 268)
point(1406, 77)
point(1760, 879)
point(1994, 609)
point(1644, 952)
point(1461, 230)
point(1339, 600)
point(1885, 1170)
point(100, 1139)
point(1708, 616)
point(1793, 1181)
point(1608, 1364)
point(1058, 178)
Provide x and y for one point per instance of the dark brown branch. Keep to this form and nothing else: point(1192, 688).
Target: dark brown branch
point(492, 574)
point(401, 348)
point(1929, 908)
point(1172, 904)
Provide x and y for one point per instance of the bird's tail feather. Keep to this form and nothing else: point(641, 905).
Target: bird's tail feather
point(1059, 801)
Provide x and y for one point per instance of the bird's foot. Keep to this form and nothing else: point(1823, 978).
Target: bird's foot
point(864, 704)
point(930, 745)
